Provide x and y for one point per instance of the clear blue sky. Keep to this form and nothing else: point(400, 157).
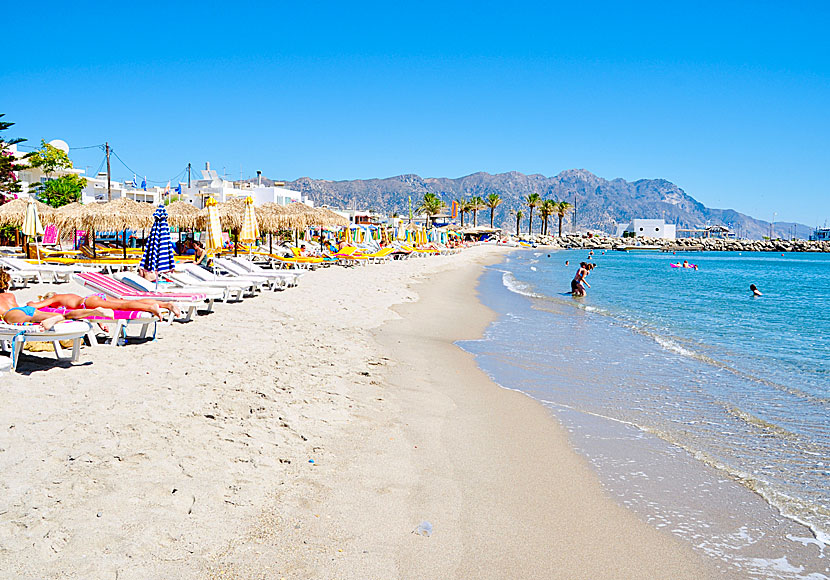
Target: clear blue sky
point(730, 101)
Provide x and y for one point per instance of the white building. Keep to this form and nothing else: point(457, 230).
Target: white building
point(222, 190)
point(647, 228)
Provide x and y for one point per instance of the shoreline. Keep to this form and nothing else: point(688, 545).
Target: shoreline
point(293, 436)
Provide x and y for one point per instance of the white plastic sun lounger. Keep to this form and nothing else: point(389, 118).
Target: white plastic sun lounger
point(249, 267)
point(45, 272)
point(145, 285)
point(232, 290)
point(234, 269)
point(205, 276)
point(14, 336)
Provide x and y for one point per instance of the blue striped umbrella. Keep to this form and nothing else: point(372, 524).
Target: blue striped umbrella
point(158, 250)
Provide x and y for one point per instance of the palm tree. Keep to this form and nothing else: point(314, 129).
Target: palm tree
point(430, 205)
point(532, 201)
point(519, 216)
point(547, 209)
point(493, 201)
point(463, 207)
point(476, 204)
point(562, 208)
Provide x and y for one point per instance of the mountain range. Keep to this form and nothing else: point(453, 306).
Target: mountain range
point(600, 204)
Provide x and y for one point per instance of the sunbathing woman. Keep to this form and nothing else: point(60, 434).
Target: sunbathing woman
point(14, 314)
point(72, 302)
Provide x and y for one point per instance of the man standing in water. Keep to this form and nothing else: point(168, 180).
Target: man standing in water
point(578, 284)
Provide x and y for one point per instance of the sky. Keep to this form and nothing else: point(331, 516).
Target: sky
point(730, 101)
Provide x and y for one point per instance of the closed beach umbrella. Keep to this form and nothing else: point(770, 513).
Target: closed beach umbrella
point(250, 229)
point(158, 251)
point(214, 227)
point(31, 224)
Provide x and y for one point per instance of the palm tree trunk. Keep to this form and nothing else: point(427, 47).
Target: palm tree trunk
point(560, 224)
point(492, 211)
point(518, 219)
point(461, 213)
point(530, 222)
point(475, 218)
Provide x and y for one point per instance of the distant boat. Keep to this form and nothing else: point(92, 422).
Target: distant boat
point(820, 235)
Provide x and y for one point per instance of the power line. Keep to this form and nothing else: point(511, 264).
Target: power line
point(101, 146)
point(134, 172)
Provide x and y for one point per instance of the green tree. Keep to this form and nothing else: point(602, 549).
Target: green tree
point(55, 191)
point(49, 158)
point(546, 209)
point(519, 216)
point(431, 205)
point(493, 201)
point(9, 164)
point(562, 208)
point(476, 205)
point(532, 200)
point(62, 190)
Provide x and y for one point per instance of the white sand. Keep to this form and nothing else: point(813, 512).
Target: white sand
point(189, 456)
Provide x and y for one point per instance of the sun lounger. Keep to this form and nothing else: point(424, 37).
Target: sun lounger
point(14, 336)
point(253, 268)
point(350, 256)
point(145, 285)
point(231, 290)
point(117, 327)
point(235, 266)
point(205, 276)
point(187, 301)
point(45, 272)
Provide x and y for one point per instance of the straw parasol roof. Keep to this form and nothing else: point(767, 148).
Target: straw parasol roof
point(271, 218)
point(322, 216)
point(181, 214)
point(70, 216)
point(120, 214)
point(231, 214)
point(12, 213)
point(299, 215)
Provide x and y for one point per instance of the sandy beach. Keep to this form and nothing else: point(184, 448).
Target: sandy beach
point(307, 434)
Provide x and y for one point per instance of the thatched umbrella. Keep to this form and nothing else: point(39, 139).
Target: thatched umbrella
point(271, 217)
point(231, 214)
point(70, 215)
point(323, 216)
point(120, 214)
point(14, 212)
point(181, 214)
point(298, 215)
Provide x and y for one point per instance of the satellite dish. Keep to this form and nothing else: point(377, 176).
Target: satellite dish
point(60, 144)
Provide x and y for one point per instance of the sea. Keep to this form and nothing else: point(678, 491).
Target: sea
point(704, 409)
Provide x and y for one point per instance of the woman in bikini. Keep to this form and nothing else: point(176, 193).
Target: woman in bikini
point(14, 314)
point(72, 302)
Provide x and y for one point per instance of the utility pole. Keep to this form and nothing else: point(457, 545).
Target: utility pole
point(188, 175)
point(109, 183)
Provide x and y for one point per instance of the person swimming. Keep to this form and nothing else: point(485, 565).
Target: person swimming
point(755, 291)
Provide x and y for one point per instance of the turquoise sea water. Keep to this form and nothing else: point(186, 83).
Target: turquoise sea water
point(740, 383)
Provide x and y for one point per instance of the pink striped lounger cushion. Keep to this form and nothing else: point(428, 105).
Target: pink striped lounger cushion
point(123, 291)
point(119, 314)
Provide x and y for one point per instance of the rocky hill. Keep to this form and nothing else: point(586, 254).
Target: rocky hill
point(600, 203)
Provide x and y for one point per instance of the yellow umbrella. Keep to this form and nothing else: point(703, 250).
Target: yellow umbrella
point(31, 224)
point(250, 228)
point(214, 241)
